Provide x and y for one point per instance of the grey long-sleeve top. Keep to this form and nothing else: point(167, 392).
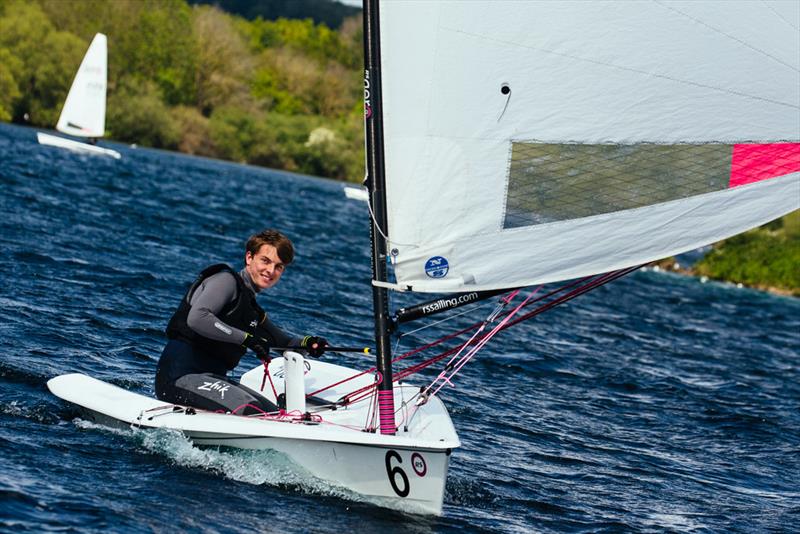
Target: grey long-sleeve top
point(211, 296)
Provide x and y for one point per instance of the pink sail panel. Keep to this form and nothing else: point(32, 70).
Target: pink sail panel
point(753, 163)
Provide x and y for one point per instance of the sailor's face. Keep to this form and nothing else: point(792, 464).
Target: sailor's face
point(265, 267)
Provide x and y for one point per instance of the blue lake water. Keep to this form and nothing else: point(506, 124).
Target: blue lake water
point(654, 404)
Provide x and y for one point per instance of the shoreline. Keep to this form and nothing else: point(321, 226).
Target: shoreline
point(671, 265)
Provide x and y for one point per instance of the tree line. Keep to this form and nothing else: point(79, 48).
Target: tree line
point(330, 12)
point(767, 257)
point(284, 94)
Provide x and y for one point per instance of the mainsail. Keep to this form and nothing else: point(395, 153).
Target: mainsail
point(84, 112)
point(531, 142)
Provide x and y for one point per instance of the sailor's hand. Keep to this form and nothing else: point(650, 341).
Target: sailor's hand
point(257, 344)
point(314, 345)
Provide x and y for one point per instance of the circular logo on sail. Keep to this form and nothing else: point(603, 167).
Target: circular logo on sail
point(437, 267)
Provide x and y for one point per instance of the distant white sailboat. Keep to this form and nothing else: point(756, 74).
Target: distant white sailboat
point(84, 112)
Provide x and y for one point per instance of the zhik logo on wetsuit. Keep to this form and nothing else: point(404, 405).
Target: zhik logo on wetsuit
point(215, 386)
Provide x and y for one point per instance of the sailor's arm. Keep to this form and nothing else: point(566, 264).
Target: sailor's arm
point(207, 301)
point(276, 337)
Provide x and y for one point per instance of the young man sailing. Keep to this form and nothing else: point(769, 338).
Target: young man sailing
point(217, 321)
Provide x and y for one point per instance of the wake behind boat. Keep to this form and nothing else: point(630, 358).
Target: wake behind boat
point(84, 111)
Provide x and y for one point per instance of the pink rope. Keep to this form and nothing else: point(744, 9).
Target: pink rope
point(398, 358)
point(280, 415)
point(475, 343)
point(584, 285)
point(481, 343)
point(264, 380)
point(256, 408)
point(588, 282)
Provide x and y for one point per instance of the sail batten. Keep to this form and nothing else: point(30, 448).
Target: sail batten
point(540, 141)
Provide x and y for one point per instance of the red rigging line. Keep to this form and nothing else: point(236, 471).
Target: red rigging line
point(573, 289)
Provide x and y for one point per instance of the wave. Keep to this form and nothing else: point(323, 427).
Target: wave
point(41, 413)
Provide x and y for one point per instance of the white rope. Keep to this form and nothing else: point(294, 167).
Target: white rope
point(378, 227)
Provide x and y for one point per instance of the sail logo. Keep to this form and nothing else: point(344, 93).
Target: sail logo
point(221, 388)
point(444, 304)
point(281, 373)
point(367, 101)
point(437, 267)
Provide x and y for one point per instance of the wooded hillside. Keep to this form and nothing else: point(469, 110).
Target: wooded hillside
point(285, 94)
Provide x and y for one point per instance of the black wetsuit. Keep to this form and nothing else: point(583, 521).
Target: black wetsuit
point(205, 342)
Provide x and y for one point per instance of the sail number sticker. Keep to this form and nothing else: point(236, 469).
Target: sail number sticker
point(397, 477)
point(437, 267)
point(418, 464)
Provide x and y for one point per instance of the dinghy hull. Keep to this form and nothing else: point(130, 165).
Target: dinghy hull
point(406, 471)
point(411, 480)
point(76, 146)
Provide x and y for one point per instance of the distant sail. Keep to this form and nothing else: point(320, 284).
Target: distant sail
point(531, 142)
point(84, 112)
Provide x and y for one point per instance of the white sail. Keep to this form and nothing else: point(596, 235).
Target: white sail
point(84, 112)
point(530, 142)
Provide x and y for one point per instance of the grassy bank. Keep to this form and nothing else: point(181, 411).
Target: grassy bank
point(766, 258)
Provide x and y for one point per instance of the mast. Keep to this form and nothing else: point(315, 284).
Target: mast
point(376, 183)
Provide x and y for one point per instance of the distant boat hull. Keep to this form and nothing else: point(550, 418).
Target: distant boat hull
point(356, 193)
point(76, 146)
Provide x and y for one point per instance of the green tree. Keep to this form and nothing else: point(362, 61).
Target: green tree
point(160, 46)
point(147, 39)
point(9, 91)
point(195, 132)
point(285, 80)
point(352, 43)
point(290, 82)
point(317, 41)
point(224, 63)
point(136, 113)
point(85, 18)
point(234, 132)
point(767, 257)
point(48, 58)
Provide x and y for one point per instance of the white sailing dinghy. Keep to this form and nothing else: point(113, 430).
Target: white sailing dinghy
point(84, 111)
point(511, 144)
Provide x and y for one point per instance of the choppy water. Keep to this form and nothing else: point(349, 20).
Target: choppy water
point(656, 403)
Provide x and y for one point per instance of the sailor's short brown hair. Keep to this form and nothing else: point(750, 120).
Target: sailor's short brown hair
point(272, 237)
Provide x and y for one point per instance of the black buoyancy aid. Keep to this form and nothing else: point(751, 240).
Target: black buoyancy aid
point(243, 313)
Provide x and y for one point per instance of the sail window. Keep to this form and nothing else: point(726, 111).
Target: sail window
point(556, 182)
